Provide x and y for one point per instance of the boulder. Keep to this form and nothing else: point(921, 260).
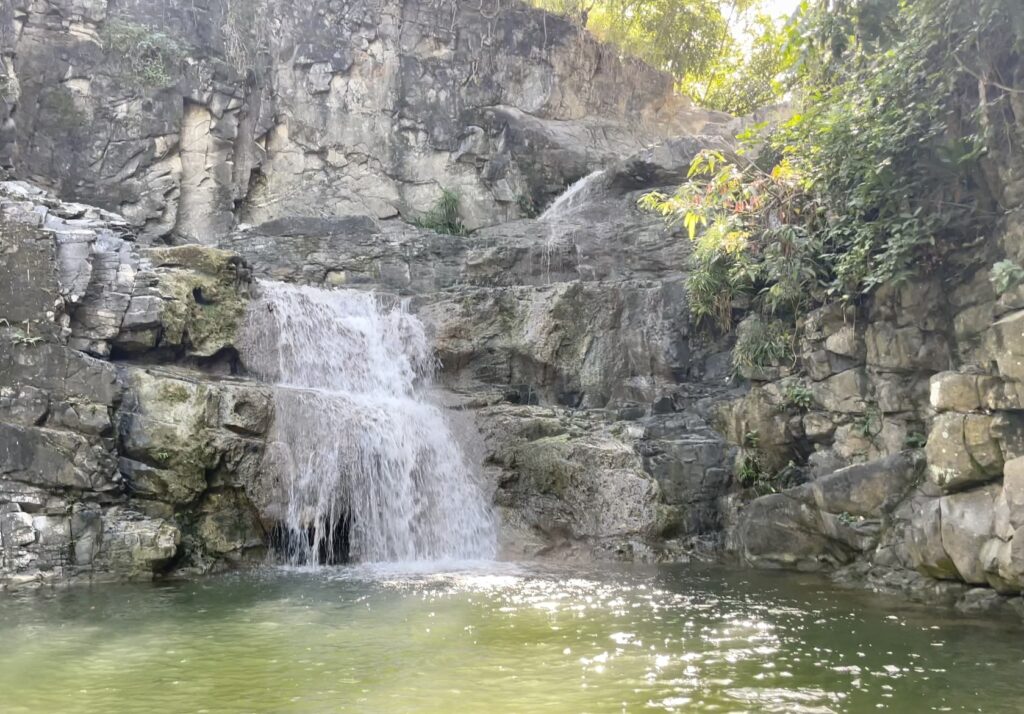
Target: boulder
point(962, 451)
point(906, 348)
point(1007, 345)
point(958, 392)
point(967, 525)
point(925, 547)
point(165, 439)
point(868, 489)
point(786, 530)
point(843, 392)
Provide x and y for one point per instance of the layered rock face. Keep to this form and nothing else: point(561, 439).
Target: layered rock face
point(229, 139)
point(908, 416)
point(294, 138)
point(187, 118)
point(132, 446)
point(565, 342)
point(113, 463)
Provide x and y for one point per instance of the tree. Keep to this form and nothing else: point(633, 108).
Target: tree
point(881, 171)
point(694, 40)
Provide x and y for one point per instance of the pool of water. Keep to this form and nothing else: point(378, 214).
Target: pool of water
point(495, 639)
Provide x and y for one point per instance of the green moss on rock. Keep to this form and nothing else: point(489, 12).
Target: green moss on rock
point(203, 302)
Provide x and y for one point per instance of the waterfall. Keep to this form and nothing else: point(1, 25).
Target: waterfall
point(364, 461)
point(572, 196)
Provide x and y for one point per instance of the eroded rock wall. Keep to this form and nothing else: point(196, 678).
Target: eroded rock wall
point(911, 406)
point(187, 118)
point(121, 455)
point(566, 342)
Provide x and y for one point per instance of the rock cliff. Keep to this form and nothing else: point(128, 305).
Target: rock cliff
point(187, 117)
point(233, 141)
point(904, 415)
point(187, 150)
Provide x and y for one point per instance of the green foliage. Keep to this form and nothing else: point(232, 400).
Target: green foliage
point(750, 474)
point(742, 81)
point(915, 440)
point(762, 343)
point(679, 36)
point(444, 216)
point(798, 396)
point(748, 237)
point(752, 440)
point(149, 55)
point(700, 42)
point(527, 206)
point(877, 176)
point(1006, 275)
point(870, 423)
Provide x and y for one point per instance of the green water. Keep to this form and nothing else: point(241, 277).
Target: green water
point(495, 640)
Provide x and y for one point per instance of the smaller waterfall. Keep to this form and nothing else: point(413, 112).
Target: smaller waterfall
point(355, 445)
point(572, 196)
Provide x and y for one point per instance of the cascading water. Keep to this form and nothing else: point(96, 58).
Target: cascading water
point(355, 442)
point(561, 209)
point(572, 196)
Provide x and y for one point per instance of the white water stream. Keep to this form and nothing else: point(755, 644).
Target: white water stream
point(572, 196)
point(355, 441)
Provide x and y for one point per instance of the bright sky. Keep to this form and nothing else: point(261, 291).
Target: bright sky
point(780, 7)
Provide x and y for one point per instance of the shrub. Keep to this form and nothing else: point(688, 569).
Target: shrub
point(798, 396)
point(877, 175)
point(762, 343)
point(527, 206)
point(1006, 275)
point(150, 56)
point(444, 216)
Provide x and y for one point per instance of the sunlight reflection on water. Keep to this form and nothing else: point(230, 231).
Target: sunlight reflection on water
point(496, 637)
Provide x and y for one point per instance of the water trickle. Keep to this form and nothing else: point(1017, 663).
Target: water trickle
point(572, 196)
point(355, 441)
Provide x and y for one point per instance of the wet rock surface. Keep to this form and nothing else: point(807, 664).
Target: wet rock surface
point(269, 141)
point(105, 464)
point(298, 143)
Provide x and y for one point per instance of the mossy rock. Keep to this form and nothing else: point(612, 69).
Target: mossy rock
point(203, 302)
point(200, 258)
point(164, 428)
point(547, 464)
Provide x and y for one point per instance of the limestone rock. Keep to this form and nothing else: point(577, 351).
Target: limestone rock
point(164, 425)
point(134, 546)
point(967, 525)
point(270, 111)
point(867, 489)
point(962, 451)
point(926, 549)
point(786, 530)
point(906, 348)
point(842, 393)
point(955, 391)
point(16, 528)
point(1013, 491)
point(1008, 345)
point(230, 526)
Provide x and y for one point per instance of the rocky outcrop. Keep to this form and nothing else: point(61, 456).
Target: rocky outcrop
point(925, 373)
point(240, 139)
point(188, 119)
point(215, 142)
point(109, 463)
point(566, 340)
